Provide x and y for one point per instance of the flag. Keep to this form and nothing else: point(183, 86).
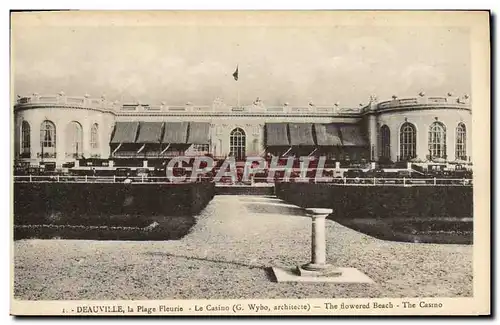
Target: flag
point(235, 74)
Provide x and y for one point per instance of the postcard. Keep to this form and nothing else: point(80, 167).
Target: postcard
point(265, 163)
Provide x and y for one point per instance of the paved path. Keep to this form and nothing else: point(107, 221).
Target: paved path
point(254, 230)
point(226, 255)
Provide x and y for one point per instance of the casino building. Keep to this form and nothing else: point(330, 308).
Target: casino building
point(60, 129)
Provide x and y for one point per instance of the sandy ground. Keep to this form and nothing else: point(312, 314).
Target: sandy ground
point(227, 255)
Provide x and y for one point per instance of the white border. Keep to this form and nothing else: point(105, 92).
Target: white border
point(144, 4)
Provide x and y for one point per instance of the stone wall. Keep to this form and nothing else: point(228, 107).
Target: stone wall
point(61, 117)
point(421, 111)
point(422, 119)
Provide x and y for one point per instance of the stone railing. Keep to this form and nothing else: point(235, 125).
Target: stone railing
point(241, 109)
point(125, 108)
point(425, 101)
point(219, 107)
point(70, 101)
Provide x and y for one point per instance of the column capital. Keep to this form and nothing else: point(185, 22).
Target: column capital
point(318, 211)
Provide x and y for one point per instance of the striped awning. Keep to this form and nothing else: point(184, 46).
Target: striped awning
point(199, 133)
point(352, 136)
point(150, 132)
point(175, 132)
point(327, 135)
point(277, 134)
point(124, 132)
point(301, 134)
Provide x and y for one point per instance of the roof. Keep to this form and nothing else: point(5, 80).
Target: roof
point(125, 132)
point(327, 134)
point(277, 134)
point(301, 134)
point(199, 133)
point(150, 132)
point(175, 132)
point(352, 136)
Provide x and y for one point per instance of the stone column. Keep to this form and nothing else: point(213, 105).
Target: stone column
point(86, 126)
point(61, 129)
point(318, 239)
point(318, 265)
point(372, 127)
point(18, 137)
point(35, 140)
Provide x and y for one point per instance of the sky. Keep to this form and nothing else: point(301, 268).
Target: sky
point(177, 64)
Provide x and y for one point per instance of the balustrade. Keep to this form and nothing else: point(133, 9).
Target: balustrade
point(102, 103)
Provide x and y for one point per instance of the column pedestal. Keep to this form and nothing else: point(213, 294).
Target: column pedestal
point(318, 265)
point(318, 270)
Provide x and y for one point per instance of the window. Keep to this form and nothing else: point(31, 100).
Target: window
point(237, 144)
point(48, 135)
point(25, 139)
point(437, 140)
point(385, 137)
point(407, 141)
point(94, 137)
point(74, 141)
point(460, 146)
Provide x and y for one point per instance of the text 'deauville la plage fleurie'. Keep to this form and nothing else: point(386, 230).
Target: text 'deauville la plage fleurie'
point(247, 307)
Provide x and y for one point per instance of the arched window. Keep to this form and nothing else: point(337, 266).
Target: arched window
point(74, 137)
point(94, 137)
point(25, 139)
point(437, 140)
point(48, 139)
point(237, 144)
point(461, 140)
point(407, 141)
point(385, 141)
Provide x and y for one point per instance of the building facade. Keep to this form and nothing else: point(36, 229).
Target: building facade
point(60, 129)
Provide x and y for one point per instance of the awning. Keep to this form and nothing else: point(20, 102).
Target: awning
point(175, 132)
point(352, 137)
point(277, 135)
point(125, 132)
point(301, 134)
point(199, 133)
point(327, 135)
point(149, 132)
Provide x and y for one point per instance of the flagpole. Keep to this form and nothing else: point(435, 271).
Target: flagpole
point(235, 76)
point(238, 84)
